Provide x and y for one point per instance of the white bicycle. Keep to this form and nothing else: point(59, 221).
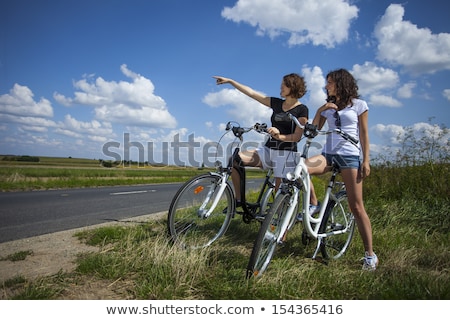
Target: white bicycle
point(332, 227)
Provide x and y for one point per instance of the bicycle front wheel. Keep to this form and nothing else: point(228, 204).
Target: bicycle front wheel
point(188, 222)
point(266, 202)
point(266, 241)
point(338, 225)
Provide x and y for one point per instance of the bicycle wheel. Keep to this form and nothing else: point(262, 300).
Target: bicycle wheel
point(266, 241)
point(337, 218)
point(187, 224)
point(266, 203)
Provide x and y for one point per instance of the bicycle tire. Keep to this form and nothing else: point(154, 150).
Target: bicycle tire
point(186, 224)
point(267, 201)
point(337, 216)
point(266, 242)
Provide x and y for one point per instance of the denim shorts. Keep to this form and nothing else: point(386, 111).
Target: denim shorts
point(344, 162)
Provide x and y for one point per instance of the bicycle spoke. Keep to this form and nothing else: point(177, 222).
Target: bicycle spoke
point(339, 226)
point(187, 222)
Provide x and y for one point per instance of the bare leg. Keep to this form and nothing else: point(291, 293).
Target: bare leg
point(317, 165)
point(313, 198)
point(249, 159)
point(354, 187)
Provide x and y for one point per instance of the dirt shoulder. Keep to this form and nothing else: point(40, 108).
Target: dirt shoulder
point(51, 253)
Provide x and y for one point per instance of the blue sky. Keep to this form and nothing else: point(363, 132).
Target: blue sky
point(77, 77)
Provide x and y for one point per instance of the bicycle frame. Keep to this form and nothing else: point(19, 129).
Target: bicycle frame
point(333, 218)
point(225, 173)
point(223, 185)
point(300, 181)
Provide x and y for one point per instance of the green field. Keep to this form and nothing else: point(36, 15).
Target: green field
point(51, 173)
point(408, 205)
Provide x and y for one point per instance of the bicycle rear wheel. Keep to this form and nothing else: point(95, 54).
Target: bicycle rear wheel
point(337, 218)
point(266, 241)
point(187, 224)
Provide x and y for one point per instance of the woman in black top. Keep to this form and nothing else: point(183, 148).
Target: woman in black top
point(284, 135)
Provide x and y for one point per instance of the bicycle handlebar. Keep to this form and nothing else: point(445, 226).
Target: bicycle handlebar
point(310, 130)
point(238, 131)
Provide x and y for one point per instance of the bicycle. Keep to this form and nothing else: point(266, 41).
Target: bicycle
point(332, 227)
point(202, 209)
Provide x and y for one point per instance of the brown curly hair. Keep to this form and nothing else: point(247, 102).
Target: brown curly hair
point(296, 83)
point(346, 87)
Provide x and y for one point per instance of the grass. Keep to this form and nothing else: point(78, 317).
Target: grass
point(18, 256)
point(409, 210)
point(53, 173)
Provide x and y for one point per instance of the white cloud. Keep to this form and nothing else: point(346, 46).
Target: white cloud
point(373, 79)
point(62, 99)
point(384, 101)
point(391, 133)
point(130, 103)
point(244, 110)
point(20, 102)
point(405, 91)
point(93, 127)
point(68, 133)
point(377, 83)
point(27, 121)
point(28, 128)
point(403, 43)
point(446, 94)
point(316, 83)
point(324, 22)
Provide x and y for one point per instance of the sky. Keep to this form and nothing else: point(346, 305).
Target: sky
point(121, 79)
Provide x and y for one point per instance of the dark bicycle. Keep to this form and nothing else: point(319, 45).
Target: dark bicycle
point(203, 207)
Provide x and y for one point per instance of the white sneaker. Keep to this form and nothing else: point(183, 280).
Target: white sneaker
point(370, 262)
point(312, 210)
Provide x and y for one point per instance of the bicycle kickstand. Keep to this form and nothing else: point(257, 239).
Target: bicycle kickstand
point(319, 243)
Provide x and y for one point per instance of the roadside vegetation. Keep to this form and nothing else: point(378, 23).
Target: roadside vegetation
point(407, 199)
point(54, 173)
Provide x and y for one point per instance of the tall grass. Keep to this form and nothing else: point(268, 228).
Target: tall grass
point(411, 238)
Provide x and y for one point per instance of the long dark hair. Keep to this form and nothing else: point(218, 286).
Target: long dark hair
point(346, 87)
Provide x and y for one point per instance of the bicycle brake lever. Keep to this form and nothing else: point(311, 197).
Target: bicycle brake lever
point(310, 130)
point(348, 137)
point(260, 127)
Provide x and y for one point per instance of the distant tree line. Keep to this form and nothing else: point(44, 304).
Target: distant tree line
point(21, 158)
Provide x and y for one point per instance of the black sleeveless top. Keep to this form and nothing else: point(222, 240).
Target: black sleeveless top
point(285, 127)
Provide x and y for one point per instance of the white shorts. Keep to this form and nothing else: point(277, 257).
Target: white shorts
point(281, 161)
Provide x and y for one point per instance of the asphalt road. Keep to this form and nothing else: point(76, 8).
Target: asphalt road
point(33, 213)
point(28, 214)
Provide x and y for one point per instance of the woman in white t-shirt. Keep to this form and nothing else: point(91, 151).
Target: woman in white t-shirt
point(346, 111)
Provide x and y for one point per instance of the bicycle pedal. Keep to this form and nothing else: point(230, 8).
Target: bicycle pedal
point(281, 243)
point(337, 227)
point(259, 218)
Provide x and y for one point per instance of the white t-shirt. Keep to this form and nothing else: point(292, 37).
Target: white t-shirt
point(335, 144)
